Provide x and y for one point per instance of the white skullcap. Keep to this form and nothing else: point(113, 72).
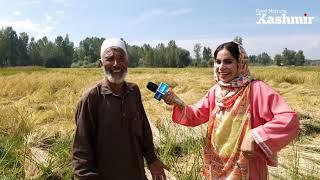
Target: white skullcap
point(113, 42)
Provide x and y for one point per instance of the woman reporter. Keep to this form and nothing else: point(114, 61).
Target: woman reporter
point(248, 122)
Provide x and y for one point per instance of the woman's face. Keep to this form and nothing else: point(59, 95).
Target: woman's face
point(225, 66)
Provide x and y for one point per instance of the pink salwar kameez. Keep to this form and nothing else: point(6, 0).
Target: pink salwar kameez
point(274, 124)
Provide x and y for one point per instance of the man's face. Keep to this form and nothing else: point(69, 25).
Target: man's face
point(115, 65)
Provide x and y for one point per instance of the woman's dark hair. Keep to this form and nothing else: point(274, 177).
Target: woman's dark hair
point(232, 47)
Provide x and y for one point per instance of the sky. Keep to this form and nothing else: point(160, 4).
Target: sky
point(208, 22)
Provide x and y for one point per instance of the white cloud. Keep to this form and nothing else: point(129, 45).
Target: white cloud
point(59, 12)
point(65, 3)
point(315, 43)
point(58, 1)
point(33, 29)
point(24, 3)
point(16, 13)
point(309, 43)
point(178, 12)
point(48, 18)
point(161, 12)
point(149, 15)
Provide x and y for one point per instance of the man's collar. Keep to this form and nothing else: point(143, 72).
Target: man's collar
point(105, 89)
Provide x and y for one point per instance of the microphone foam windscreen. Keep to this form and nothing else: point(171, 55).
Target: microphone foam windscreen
point(152, 86)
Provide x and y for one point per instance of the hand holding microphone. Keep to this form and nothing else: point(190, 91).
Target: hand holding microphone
point(172, 99)
point(163, 92)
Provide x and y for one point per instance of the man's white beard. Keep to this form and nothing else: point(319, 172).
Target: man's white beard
point(117, 79)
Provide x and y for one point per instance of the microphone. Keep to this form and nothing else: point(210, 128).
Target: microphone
point(152, 87)
point(161, 90)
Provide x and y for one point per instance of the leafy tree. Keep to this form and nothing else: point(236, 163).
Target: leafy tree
point(196, 50)
point(160, 55)
point(58, 57)
point(2, 49)
point(163, 56)
point(34, 53)
point(299, 58)
point(206, 53)
point(90, 49)
point(22, 45)
point(288, 57)
point(253, 59)
point(172, 54)
point(9, 47)
point(68, 51)
point(238, 39)
point(264, 59)
point(133, 55)
point(184, 58)
point(147, 55)
point(278, 59)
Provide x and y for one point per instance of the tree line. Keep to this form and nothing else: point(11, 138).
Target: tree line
point(287, 58)
point(17, 50)
point(21, 50)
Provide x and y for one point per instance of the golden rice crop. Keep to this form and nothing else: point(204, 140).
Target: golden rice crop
point(37, 105)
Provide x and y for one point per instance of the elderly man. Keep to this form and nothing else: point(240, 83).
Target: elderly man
point(113, 133)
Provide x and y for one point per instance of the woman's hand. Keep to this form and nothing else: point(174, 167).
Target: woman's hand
point(169, 97)
point(172, 99)
point(247, 146)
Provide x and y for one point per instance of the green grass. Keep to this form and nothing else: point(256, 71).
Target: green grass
point(12, 157)
point(180, 151)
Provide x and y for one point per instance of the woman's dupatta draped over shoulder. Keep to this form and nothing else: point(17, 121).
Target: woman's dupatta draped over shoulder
point(228, 124)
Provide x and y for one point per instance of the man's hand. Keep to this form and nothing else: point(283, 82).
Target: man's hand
point(157, 170)
point(247, 146)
